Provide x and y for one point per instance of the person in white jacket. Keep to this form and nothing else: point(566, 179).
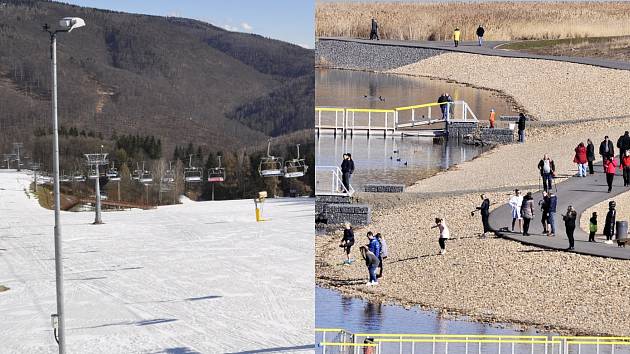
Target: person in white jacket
point(515, 202)
point(444, 233)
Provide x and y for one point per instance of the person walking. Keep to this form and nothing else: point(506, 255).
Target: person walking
point(569, 224)
point(456, 35)
point(347, 242)
point(580, 159)
point(521, 128)
point(515, 203)
point(623, 143)
point(592, 227)
point(625, 167)
point(383, 253)
point(606, 148)
point(443, 105)
point(527, 211)
point(347, 168)
point(484, 208)
point(551, 215)
point(374, 30)
point(492, 118)
point(610, 167)
point(544, 208)
point(609, 224)
point(590, 155)
point(444, 233)
point(547, 169)
point(371, 262)
point(480, 32)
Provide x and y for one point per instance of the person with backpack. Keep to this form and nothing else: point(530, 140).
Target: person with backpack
point(590, 155)
point(592, 227)
point(609, 224)
point(444, 234)
point(580, 159)
point(480, 32)
point(527, 211)
point(374, 30)
point(569, 224)
point(610, 167)
point(547, 169)
point(383, 253)
point(456, 35)
point(347, 242)
point(371, 262)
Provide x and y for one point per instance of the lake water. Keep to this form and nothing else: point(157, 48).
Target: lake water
point(359, 316)
point(395, 160)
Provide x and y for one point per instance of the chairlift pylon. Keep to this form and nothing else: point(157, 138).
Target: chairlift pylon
point(296, 167)
point(271, 166)
point(216, 174)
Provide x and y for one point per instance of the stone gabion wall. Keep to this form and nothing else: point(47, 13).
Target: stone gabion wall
point(355, 214)
point(497, 135)
point(364, 56)
point(384, 188)
point(460, 129)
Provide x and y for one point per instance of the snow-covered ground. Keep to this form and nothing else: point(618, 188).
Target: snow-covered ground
point(192, 278)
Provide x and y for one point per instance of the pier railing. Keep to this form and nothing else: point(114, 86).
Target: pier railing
point(428, 116)
point(471, 343)
point(328, 181)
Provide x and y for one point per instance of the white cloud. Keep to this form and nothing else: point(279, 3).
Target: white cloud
point(307, 46)
point(247, 27)
point(230, 28)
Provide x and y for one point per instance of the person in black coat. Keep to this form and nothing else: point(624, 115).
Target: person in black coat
point(590, 155)
point(480, 33)
point(611, 217)
point(347, 168)
point(606, 148)
point(485, 214)
point(374, 30)
point(347, 241)
point(623, 143)
point(569, 224)
point(443, 107)
point(521, 127)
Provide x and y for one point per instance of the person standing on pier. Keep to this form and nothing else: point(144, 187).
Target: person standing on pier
point(456, 35)
point(590, 155)
point(521, 127)
point(450, 106)
point(569, 224)
point(484, 208)
point(515, 202)
point(374, 30)
point(480, 33)
point(547, 171)
point(611, 218)
point(444, 234)
point(527, 211)
point(347, 168)
point(443, 106)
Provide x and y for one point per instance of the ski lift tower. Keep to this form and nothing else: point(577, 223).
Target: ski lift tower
point(16, 151)
point(35, 166)
point(97, 160)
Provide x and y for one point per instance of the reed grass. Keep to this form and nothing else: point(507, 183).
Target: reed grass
point(502, 20)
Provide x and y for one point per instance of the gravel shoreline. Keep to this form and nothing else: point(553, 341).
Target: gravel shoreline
point(492, 279)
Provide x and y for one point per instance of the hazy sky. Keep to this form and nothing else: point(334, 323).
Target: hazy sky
point(286, 20)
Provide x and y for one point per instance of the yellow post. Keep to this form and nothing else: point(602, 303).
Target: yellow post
point(258, 202)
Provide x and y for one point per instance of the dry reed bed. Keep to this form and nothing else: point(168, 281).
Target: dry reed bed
point(502, 20)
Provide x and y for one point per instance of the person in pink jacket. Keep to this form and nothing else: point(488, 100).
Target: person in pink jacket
point(610, 166)
point(580, 159)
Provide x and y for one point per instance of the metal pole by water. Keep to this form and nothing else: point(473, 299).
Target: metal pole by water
point(61, 332)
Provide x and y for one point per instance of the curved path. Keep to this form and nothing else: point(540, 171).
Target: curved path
point(580, 192)
point(489, 48)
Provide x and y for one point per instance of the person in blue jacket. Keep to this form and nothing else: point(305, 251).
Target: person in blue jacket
point(374, 246)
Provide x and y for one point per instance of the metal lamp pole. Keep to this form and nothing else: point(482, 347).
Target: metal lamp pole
point(67, 24)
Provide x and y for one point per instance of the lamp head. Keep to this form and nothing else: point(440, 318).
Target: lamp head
point(70, 23)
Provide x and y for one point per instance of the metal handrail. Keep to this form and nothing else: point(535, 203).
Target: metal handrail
point(336, 183)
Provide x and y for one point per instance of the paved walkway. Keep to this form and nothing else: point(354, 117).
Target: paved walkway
point(489, 48)
point(581, 193)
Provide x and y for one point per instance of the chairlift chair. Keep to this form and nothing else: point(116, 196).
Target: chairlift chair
point(78, 177)
point(146, 177)
point(216, 174)
point(296, 167)
point(169, 175)
point(271, 166)
point(112, 173)
point(192, 174)
point(92, 173)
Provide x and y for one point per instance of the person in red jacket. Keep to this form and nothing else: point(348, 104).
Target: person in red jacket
point(625, 167)
point(580, 159)
point(610, 166)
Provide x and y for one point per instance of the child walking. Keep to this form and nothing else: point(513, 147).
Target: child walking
point(592, 227)
point(444, 233)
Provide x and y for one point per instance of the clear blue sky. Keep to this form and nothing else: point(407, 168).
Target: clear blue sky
point(286, 20)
